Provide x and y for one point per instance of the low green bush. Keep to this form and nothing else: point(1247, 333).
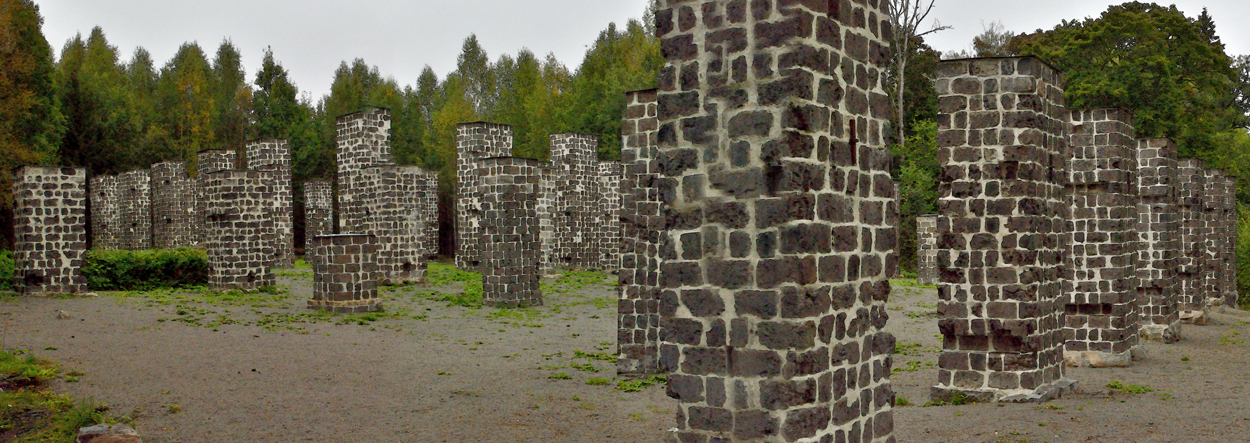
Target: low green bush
point(6, 270)
point(145, 270)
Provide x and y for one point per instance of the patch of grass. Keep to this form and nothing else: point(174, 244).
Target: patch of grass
point(571, 281)
point(905, 348)
point(910, 282)
point(598, 381)
point(1117, 385)
point(30, 413)
point(560, 376)
point(301, 264)
point(640, 384)
point(901, 401)
point(959, 399)
point(600, 356)
point(584, 367)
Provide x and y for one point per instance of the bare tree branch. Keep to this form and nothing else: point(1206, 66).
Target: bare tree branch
point(905, 19)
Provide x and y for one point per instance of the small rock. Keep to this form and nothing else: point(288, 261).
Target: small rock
point(62, 315)
point(1194, 317)
point(108, 433)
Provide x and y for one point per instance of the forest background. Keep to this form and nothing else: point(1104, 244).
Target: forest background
point(96, 109)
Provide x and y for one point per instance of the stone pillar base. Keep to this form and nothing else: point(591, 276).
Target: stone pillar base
point(1097, 359)
point(1162, 333)
point(346, 307)
point(1042, 394)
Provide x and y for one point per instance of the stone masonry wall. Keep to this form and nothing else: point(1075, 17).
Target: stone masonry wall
point(105, 217)
point(1002, 144)
point(1100, 283)
point(1214, 214)
point(1191, 183)
point(575, 160)
point(134, 209)
point(776, 188)
point(1158, 231)
point(363, 141)
point(607, 227)
point(428, 187)
point(345, 273)
point(50, 227)
point(173, 206)
point(926, 249)
point(511, 244)
point(240, 229)
point(474, 141)
point(394, 209)
point(274, 156)
point(546, 217)
point(207, 162)
point(318, 211)
point(638, 319)
point(1228, 282)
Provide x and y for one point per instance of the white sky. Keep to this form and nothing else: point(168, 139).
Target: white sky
point(311, 37)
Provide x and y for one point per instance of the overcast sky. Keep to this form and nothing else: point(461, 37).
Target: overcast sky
point(311, 37)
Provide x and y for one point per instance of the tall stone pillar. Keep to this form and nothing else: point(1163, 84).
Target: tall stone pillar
point(274, 156)
point(474, 142)
point(607, 226)
point(1100, 283)
point(547, 217)
point(510, 233)
point(241, 231)
point(1191, 184)
point(1002, 141)
point(926, 249)
point(638, 319)
point(1158, 230)
point(775, 185)
point(105, 218)
point(134, 207)
point(1214, 212)
point(428, 187)
point(574, 158)
point(364, 141)
point(50, 223)
point(1229, 275)
point(207, 162)
point(173, 206)
point(318, 212)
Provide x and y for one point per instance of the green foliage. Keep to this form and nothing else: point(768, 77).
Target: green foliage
point(1243, 250)
point(7, 270)
point(145, 270)
point(1117, 385)
point(33, 414)
point(917, 177)
point(598, 381)
point(640, 384)
point(620, 60)
point(443, 274)
point(560, 376)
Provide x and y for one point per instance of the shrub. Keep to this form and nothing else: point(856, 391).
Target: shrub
point(145, 270)
point(6, 270)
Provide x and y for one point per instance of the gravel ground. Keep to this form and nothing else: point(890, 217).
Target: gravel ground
point(193, 367)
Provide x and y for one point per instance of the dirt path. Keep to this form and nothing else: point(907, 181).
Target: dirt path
point(199, 368)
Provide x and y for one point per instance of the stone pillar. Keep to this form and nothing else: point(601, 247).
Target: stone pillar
point(1191, 183)
point(775, 182)
point(510, 233)
point(1158, 231)
point(428, 186)
point(345, 273)
point(575, 160)
point(1229, 279)
point(105, 218)
point(1002, 141)
point(241, 231)
point(1213, 199)
point(474, 141)
point(894, 215)
point(208, 162)
point(363, 141)
point(638, 319)
point(134, 207)
point(546, 217)
point(926, 249)
point(274, 156)
point(173, 206)
point(318, 212)
point(390, 215)
point(50, 223)
point(607, 227)
point(1100, 283)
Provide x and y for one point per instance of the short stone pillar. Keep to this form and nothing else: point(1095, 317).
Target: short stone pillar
point(134, 208)
point(607, 227)
point(638, 313)
point(318, 211)
point(474, 141)
point(574, 159)
point(345, 273)
point(510, 233)
point(1002, 142)
point(105, 216)
point(1158, 232)
point(926, 249)
point(775, 183)
point(50, 223)
point(1100, 283)
point(173, 206)
point(1192, 258)
point(240, 229)
point(274, 156)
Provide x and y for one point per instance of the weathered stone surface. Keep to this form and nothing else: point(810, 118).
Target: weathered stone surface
point(105, 216)
point(638, 324)
point(926, 249)
point(1158, 230)
point(173, 206)
point(108, 433)
point(50, 227)
point(207, 162)
point(363, 141)
point(240, 229)
point(274, 156)
point(1001, 236)
point(345, 273)
point(474, 142)
point(744, 157)
point(510, 233)
point(575, 168)
point(1192, 256)
point(318, 211)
